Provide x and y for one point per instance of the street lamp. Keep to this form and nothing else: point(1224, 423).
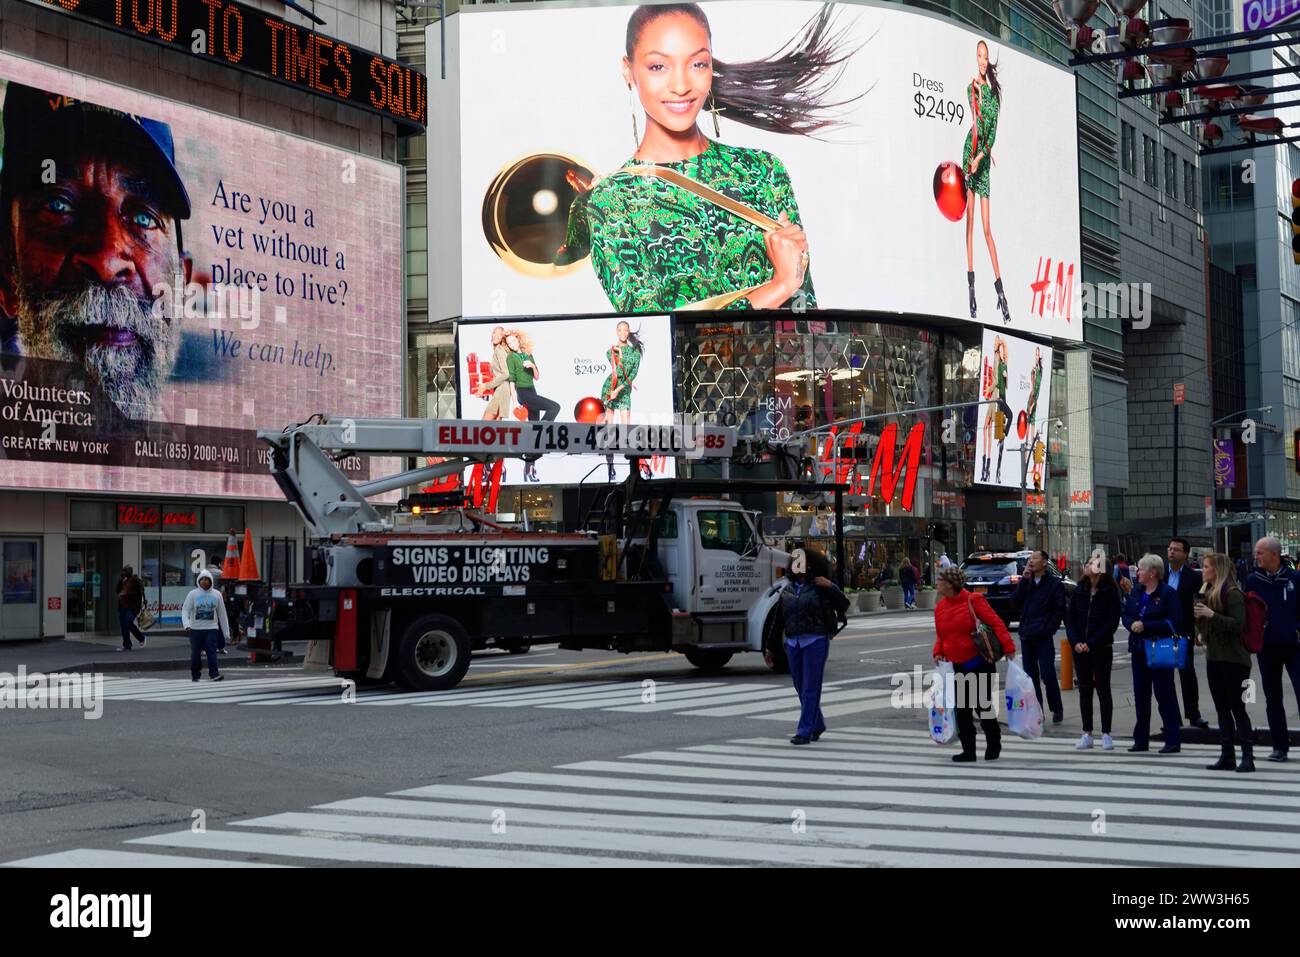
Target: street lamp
point(1214, 485)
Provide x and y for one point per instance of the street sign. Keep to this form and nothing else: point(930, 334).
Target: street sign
point(1180, 388)
point(1265, 14)
point(1009, 503)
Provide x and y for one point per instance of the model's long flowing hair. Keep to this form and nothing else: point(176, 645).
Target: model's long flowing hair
point(524, 339)
point(633, 337)
point(785, 92)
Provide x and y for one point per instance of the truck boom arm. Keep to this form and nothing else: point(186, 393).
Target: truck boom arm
point(303, 457)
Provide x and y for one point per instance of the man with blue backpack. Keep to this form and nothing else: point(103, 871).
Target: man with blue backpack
point(1279, 587)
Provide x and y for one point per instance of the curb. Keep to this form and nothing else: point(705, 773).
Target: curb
point(174, 664)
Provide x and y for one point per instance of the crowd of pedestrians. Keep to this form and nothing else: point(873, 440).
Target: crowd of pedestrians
point(1237, 617)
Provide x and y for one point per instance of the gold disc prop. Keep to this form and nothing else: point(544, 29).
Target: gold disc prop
point(526, 212)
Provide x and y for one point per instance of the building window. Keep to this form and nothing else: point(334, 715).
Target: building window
point(1171, 174)
point(1128, 148)
point(1189, 184)
point(1149, 171)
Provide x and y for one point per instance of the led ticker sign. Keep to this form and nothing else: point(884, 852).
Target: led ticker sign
point(243, 37)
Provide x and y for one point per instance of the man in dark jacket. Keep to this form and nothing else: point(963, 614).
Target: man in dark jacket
point(1040, 602)
point(130, 600)
point(1187, 583)
point(1280, 589)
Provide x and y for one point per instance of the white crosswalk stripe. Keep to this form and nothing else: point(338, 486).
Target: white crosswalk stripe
point(768, 699)
point(860, 797)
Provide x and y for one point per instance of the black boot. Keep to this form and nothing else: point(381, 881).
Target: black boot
point(984, 469)
point(1002, 302)
point(1001, 446)
point(1227, 760)
point(1247, 758)
point(970, 281)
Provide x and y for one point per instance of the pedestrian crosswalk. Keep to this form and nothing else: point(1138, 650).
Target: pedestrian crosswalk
point(861, 796)
point(767, 699)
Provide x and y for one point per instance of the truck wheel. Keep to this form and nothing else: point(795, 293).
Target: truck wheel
point(433, 654)
point(708, 659)
point(774, 645)
point(518, 647)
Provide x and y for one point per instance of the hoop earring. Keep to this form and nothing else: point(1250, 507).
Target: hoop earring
point(631, 106)
point(713, 108)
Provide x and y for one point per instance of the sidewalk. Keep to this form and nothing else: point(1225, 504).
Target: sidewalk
point(162, 652)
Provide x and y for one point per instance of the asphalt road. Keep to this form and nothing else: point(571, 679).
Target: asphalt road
point(253, 756)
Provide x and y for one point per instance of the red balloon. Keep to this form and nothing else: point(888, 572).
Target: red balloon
point(950, 191)
point(588, 410)
point(1022, 424)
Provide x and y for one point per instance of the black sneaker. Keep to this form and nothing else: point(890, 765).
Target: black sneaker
point(799, 739)
point(219, 678)
point(195, 678)
point(1058, 717)
point(964, 756)
point(1140, 747)
point(1170, 749)
point(1198, 723)
point(1277, 755)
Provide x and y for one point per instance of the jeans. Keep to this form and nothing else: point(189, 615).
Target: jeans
point(807, 665)
point(1161, 681)
point(1225, 678)
point(963, 711)
point(538, 406)
point(203, 642)
point(1093, 668)
point(1272, 660)
point(1040, 662)
point(126, 620)
point(909, 594)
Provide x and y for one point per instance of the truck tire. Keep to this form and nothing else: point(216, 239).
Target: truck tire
point(433, 654)
point(708, 659)
point(774, 644)
point(517, 647)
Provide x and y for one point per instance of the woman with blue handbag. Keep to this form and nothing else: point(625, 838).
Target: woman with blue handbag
point(1152, 616)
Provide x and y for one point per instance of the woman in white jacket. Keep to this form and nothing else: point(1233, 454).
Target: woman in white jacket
point(204, 618)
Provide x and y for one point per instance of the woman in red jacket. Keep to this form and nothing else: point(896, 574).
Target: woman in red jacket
point(954, 621)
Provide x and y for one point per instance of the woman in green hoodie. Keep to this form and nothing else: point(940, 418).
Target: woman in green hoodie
point(1220, 613)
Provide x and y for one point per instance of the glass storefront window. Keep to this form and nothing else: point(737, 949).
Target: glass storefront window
point(92, 516)
point(167, 574)
point(220, 519)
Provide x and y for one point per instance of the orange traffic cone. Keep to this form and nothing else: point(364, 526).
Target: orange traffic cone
point(230, 567)
point(248, 562)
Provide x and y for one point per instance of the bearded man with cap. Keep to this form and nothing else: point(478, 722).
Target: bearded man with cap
point(90, 242)
point(203, 616)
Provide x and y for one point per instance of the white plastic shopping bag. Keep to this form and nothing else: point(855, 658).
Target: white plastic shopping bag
point(940, 696)
point(1024, 713)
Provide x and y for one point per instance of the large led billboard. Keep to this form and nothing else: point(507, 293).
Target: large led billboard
point(172, 280)
point(1016, 374)
point(763, 154)
point(612, 371)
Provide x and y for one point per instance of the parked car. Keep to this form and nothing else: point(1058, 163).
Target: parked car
point(996, 574)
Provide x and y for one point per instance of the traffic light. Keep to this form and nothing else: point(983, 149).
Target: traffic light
point(1295, 221)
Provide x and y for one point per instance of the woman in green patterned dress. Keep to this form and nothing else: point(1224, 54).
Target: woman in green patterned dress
point(658, 245)
point(985, 95)
point(616, 391)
